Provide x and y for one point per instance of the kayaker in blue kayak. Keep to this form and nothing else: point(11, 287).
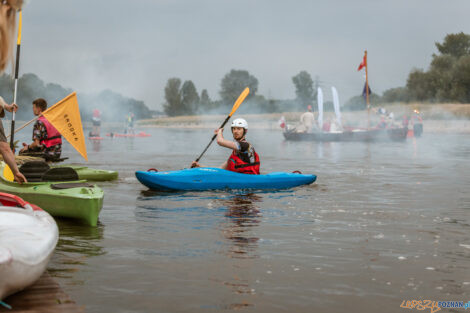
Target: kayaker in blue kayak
point(244, 158)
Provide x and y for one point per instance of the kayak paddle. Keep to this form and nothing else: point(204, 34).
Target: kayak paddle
point(239, 101)
point(17, 66)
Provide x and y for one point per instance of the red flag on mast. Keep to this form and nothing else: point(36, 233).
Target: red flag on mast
point(363, 63)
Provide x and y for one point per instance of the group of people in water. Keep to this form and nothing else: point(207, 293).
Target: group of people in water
point(308, 122)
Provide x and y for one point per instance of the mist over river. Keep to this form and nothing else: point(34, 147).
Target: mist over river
point(383, 223)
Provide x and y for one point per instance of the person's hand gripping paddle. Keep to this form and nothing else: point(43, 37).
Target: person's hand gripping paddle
point(239, 101)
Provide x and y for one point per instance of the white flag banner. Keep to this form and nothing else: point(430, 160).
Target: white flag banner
point(336, 105)
point(320, 107)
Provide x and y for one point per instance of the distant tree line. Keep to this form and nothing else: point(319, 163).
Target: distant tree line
point(113, 106)
point(447, 79)
point(183, 99)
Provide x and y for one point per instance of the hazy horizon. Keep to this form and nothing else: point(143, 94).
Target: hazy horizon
point(134, 47)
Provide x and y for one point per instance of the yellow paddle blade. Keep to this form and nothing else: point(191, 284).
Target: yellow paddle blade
point(239, 101)
point(20, 19)
point(8, 174)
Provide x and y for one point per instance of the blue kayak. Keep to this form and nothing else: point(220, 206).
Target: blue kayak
point(207, 178)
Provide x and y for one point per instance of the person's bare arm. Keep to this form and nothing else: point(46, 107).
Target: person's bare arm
point(224, 165)
point(33, 145)
point(8, 107)
point(9, 158)
point(221, 141)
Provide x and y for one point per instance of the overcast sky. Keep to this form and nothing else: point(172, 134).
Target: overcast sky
point(134, 46)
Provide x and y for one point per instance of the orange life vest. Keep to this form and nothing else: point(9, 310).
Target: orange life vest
point(236, 164)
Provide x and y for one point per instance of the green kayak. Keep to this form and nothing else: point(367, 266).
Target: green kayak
point(92, 174)
point(71, 199)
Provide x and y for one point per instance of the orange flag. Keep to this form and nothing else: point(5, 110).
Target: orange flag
point(65, 117)
point(363, 63)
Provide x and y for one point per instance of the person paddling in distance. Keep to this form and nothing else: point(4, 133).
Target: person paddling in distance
point(244, 158)
point(47, 141)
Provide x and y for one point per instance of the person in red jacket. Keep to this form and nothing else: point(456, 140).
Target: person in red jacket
point(244, 158)
point(47, 141)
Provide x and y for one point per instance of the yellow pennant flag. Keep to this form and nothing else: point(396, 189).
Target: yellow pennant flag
point(65, 117)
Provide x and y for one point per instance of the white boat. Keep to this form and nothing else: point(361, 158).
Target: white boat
point(28, 237)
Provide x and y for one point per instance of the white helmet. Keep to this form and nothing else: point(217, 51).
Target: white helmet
point(239, 122)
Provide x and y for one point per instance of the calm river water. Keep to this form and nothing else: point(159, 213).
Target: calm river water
point(385, 222)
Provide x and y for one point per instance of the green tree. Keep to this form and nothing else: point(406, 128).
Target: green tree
point(419, 84)
point(441, 76)
point(303, 89)
point(173, 105)
point(446, 78)
point(234, 83)
point(461, 88)
point(113, 105)
point(399, 94)
point(456, 45)
point(55, 92)
point(359, 103)
point(206, 103)
point(189, 98)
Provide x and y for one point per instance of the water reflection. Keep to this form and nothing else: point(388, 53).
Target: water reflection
point(96, 145)
point(242, 215)
point(77, 243)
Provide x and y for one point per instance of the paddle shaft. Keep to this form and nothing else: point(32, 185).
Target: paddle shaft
point(17, 67)
point(213, 137)
point(12, 130)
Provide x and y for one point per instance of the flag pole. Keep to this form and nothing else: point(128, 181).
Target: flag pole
point(367, 93)
point(18, 46)
point(26, 124)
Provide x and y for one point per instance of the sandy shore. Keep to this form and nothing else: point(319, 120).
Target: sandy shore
point(451, 123)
